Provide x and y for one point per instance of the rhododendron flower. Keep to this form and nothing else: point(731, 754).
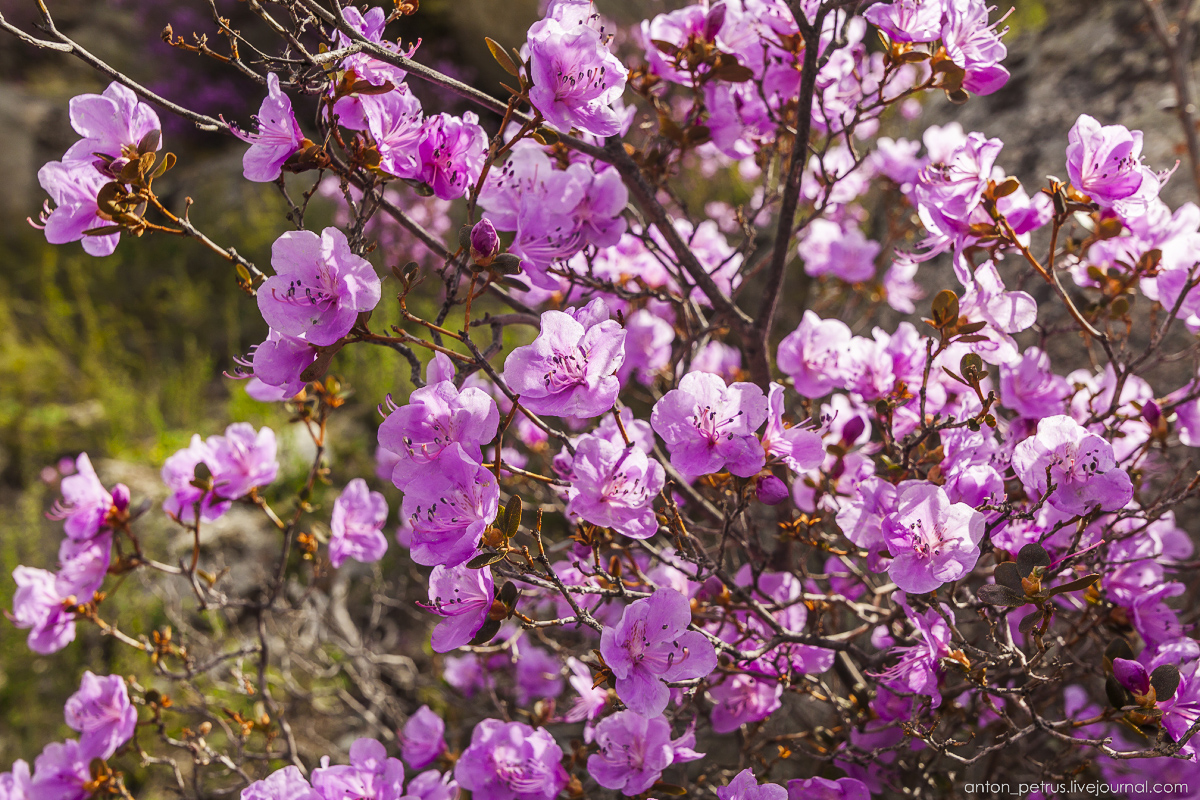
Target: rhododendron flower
point(112, 124)
point(570, 369)
point(277, 138)
point(1031, 387)
point(917, 670)
point(1105, 161)
point(741, 699)
point(370, 774)
point(239, 461)
point(576, 80)
point(614, 486)
point(283, 784)
point(356, 525)
point(648, 341)
point(818, 788)
point(436, 416)
point(38, 606)
point(815, 355)
point(102, 714)
point(948, 193)
point(62, 772)
point(634, 750)
point(1082, 468)
point(538, 675)
point(651, 644)
point(908, 20)
point(396, 122)
point(511, 761)
point(709, 426)
point(432, 785)
point(74, 187)
point(591, 699)
point(464, 597)
point(424, 736)
point(16, 784)
point(320, 286)
point(351, 109)
point(932, 541)
point(449, 509)
point(280, 361)
point(86, 504)
point(451, 153)
point(973, 44)
point(800, 449)
point(745, 786)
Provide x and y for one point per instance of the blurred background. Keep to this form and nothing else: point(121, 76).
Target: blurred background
point(122, 357)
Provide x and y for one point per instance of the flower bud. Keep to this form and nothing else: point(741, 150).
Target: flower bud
point(770, 490)
point(1151, 412)
point(714, 20)
point(853, 429)
point(120, 496)
point(485, 243)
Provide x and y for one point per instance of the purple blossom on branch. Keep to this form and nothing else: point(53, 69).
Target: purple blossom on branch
point(709, 426)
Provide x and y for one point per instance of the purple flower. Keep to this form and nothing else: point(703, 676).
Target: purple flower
point(576, 80)
point(570, 369)
point(815, 355)
point(74, 186)
point(451, 153)
point(280, 361)
point(648, 343)
point(770, 490)
point(1081, 467)
point(539, 676)
point(319, 288)
point(1132, 675)
point(908, 20)
point(423, 738)
point(973, 44)
point(277, 138)
point(511, 761)
point(450, 508)
point(356, 525)
point(179, 471)
point(917, 670)
point(85, 504)
point(948, 193)
point(397, 123)
point(1031, 387)
point(370, 774)
point(932, 540)
point(634, 751)
point(485, 242)
point(61, 772)
point(818, 788)
point(436, 416)
point(1105, 162)
point(284, 784)
point(16, 785)
point(838, 249)
point(709, 426)
point(38, 606)
point(352, 110)
point(463, 597)
point(591, 699)
point(113, 124)
point(614, 486)
point(432, 785)
point(799, 448)
point(239, 461)
point(745, 787)
point(741, 699)
point(102, 714)
point(651, 644)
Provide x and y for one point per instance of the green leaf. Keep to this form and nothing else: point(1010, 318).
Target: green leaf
point(1029, 621)
point(502, 58)
point(512, 517)
point(484, 560)
point(945, 308)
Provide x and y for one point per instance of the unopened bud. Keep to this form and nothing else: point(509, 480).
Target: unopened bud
point(120, 497)
point(485, 243)
point(771, 491)
point(1151, 412)
point(714, 20)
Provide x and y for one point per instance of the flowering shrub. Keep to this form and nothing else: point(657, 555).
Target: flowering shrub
point(714, 471)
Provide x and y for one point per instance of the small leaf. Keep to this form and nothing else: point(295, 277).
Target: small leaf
point(509, 594)
point(669, 789)
point(958, 97)
point(243, 273)
point(665, 47)
point(971, 367)
point(484, 560)
point(1006, 574)
point(103, 230)
point(490, 628)
point(913, 57)
point(1117, 648)
point(545, 136)
point(732, 73)
point(164, 165)
point(512, 517)
point(996, 594)
point(513, 283)
point(945, 308)
point(1007, 187)
point(502, 58)
point(1118, 696)
point(1032, 555)
point(1165, 680)
point(1029, 621)
point(1075, 585)
point(149, 142)
point(507, 263)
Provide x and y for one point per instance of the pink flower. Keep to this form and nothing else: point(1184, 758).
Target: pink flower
point(511, 761)
point(102, 714)
point(818, 788)
point(973, 44)
point(423, 738)
point(319, 288)
point(16, 784)
point(816, 355)
point(1031, 387)
point(800, 449)
point(741, 699)
point(576, 80)
point(356, 525)
point(614, 486)
point(651, 644)
point(86, 504)
point(463, 597)
point(38, 606)
point(283, 784)
point(570, 369)
point(277, 138)
point(74, 186)
point(634, 751)
point(61, 772)
point(450, 508)
point(709, 426)
point(908, 20)
point(370, 774)
point(1082, 468)
point(451, 153)
point(113, 124)
point(396, 122)
point(745, 786)
point(240, 460)
point(932, 540)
